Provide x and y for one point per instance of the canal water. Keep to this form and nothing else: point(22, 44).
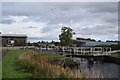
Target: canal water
point(96, 69)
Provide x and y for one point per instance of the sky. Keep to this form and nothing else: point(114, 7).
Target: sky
point(60, 0)
point(44, 20)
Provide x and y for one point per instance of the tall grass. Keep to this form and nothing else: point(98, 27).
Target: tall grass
point(39, 67)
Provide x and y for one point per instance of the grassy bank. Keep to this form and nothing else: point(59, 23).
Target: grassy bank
point(0, 69)
point(30, 64)
point(53, 56)
point(115, 54)
point(10, 67)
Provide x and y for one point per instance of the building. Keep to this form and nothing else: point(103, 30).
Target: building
point(90, 42)
point(44, 45)
point(13, 39)
point(81, 42)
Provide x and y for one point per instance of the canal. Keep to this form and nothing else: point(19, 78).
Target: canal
point(96, 69)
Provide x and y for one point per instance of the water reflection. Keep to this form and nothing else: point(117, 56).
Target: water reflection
point(96, 69)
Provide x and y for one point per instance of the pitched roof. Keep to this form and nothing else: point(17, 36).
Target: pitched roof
point(83, 41)
point(13, 35)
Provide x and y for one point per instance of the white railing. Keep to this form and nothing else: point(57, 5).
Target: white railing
point(85, 50)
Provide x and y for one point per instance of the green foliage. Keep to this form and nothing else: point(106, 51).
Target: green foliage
point(99, 40)
point(0, 68)
point(11, 69)
point(29, 44)
point(115, 54)
point(57, 43)
point(66, 36)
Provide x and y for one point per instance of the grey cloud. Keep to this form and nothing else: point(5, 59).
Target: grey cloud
point(103, 7)
point(54, 13)
point(46, 29)
point(99, 30)
point(50, 28)
point(83, 13)
point(29, 27)
point(7, 21)
point(43, 38)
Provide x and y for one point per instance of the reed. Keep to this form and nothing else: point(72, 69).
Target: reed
point(39, 67)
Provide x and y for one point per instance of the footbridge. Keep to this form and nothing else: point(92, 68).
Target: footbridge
point(96, 51)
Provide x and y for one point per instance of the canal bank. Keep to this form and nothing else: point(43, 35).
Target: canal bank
point(112, 59)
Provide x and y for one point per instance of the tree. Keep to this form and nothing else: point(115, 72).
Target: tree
point(29, 44)
point(99, 41)
point(52, 41)
point(66, 36)
point(42, 41)
point(57, 43)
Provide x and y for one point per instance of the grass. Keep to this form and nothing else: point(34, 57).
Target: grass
point(30, 64)
point(0, 69)
point(0, 64)
point(39, 67)
point(115, 54)
point(10, 67)
point(53, 56)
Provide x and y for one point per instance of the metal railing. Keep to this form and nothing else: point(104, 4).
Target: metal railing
point(84, 50)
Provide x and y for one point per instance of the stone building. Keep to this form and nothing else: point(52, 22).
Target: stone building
point(13, 39)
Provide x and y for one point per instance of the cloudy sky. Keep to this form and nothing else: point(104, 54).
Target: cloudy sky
point(44, 20)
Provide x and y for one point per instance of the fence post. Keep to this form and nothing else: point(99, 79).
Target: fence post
point(101, 50)
point(70, 50)
point(91, 50)
point(63, 49)
point(77, 50)
point(81, 50)
point(74, 50)
point(106, 50)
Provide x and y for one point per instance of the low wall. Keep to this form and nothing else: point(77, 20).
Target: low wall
point(112, 59)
